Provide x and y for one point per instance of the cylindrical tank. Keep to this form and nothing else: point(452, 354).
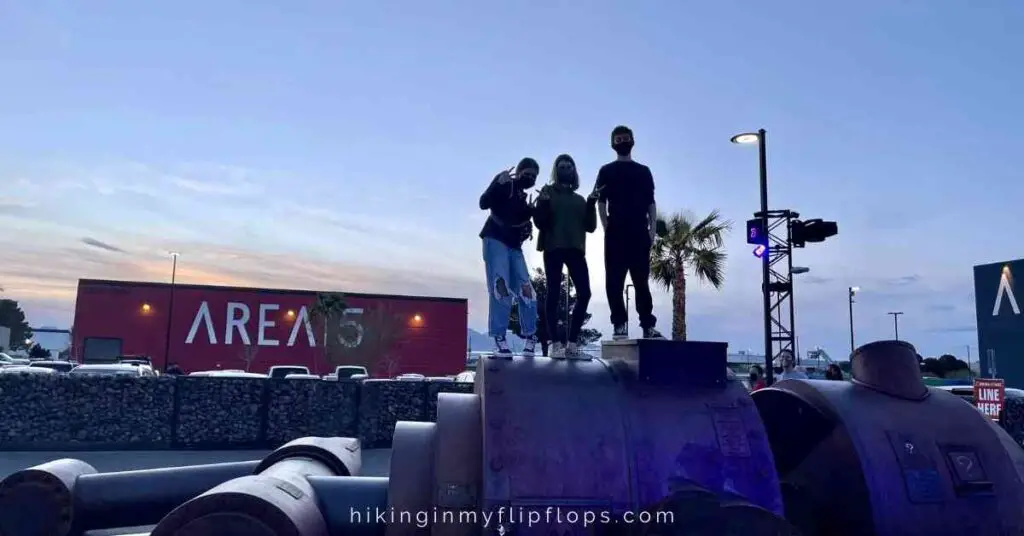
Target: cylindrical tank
point(277, 500)
point(134, 498)
point(561, 442)
point(39, 500)
point(884, 454)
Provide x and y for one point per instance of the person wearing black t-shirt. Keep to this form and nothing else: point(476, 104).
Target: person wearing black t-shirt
point(508, 279)
point(628, 215)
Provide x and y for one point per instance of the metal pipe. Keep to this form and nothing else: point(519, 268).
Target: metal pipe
point(133, 498)
point(352, 505)
point(277, 499)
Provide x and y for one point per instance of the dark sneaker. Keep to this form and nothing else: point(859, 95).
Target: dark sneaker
point(621, 332)
point(573, 351)
point(530, 348)
point(651, 333)
point(502, 350)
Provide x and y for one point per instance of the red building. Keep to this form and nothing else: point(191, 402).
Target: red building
point(254, 329)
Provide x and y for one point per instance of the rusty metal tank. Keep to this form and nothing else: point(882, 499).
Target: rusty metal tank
point(884, 454)
point(542, 444)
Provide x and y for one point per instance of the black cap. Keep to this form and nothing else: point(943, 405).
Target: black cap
point(527, 163)
point(621, 130)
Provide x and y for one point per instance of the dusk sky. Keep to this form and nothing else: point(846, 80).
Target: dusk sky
point(343, 145)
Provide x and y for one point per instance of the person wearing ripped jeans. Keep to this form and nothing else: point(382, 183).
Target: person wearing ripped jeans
point(563, 219)
point(508, 278)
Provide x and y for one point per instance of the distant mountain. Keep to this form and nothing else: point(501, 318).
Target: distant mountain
point(480, 342)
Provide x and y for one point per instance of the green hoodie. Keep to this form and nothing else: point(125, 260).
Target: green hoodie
point(564, 219)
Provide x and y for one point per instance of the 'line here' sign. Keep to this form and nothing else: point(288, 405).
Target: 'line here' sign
point(989, 396)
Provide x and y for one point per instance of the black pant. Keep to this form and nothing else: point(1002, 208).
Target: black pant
point(629, 252)
point(579, 274)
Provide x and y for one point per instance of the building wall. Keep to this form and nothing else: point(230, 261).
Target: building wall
point(998, 303)
point(425, 335)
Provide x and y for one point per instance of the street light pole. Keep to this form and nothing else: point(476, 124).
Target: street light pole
point(170, 311)
point(762, 161)
point(896, 322)
point(853, 291)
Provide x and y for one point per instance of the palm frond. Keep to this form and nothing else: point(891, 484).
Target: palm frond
point(709, 265)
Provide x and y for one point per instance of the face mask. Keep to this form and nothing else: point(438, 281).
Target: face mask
point(525, 181)
point(623, 149)
point(753, 376)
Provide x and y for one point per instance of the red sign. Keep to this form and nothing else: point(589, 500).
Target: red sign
point(989, 396)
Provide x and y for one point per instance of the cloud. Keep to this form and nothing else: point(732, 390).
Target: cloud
point(102, 245)
point(15, 207)
point(901, 281)
point(953, 329)
point(814, 280)
point(45, 279)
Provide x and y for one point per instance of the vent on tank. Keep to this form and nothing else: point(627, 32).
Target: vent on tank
point(889, 367)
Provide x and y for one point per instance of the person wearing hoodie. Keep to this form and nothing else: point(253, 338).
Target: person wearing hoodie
point(503, 234)
point(563, 218)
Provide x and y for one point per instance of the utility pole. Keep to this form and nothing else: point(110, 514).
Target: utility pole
point(896, 322)
point(852, 293)
point(170, 312)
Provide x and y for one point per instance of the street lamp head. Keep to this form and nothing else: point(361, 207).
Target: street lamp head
point(800, 270)
point(745, 138)
point(173, 253)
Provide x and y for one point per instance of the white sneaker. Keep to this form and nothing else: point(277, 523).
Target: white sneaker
point(572, 351)
point(557, 351)
point(502, 350)
point(530, 347)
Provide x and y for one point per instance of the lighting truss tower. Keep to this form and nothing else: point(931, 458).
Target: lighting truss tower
point(780, 282)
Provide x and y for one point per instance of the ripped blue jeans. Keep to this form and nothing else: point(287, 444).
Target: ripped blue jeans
point(508, 280)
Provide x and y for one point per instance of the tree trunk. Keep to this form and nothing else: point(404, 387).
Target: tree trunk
point(679, 305)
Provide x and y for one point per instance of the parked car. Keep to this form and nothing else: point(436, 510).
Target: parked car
point(25, 369)
point(233, 373)
point(410, 377)
point(465, 377)
point(59, 366)
point(7, 360)
point(345, 372)
point(112, 370)
point(302, 377)
point(281, 371)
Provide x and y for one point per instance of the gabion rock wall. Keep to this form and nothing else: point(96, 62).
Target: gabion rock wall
point(56, 412)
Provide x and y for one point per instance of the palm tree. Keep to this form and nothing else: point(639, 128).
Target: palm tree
point(329, 306)
point(683, 245)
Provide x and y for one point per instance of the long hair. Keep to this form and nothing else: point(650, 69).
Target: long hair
point(574, 184)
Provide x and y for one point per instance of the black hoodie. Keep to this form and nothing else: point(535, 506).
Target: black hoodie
point(509, 221)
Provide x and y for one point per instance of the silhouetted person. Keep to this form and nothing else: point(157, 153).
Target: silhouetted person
point(563, 219)
point(788, 370)
point(174, 370)
point(508, 278)
point(756, 378)
point(833, 372)
point(629, 216)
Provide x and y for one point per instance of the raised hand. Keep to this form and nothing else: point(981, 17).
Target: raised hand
point(506, 175)
point(596, 193)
